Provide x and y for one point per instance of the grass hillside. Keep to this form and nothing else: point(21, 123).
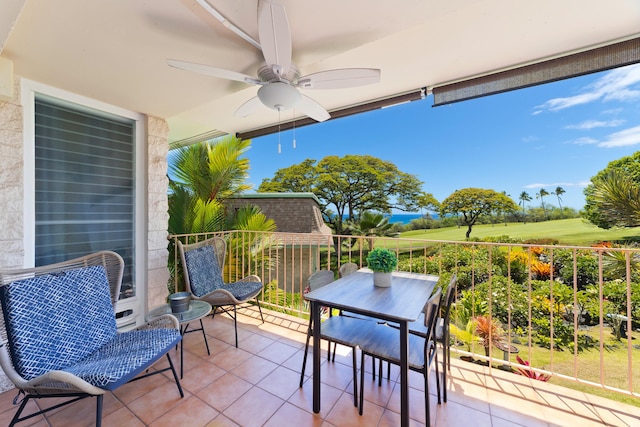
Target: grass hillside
point(573, 231)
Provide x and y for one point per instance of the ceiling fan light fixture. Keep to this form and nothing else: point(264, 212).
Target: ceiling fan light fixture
point(279, 96)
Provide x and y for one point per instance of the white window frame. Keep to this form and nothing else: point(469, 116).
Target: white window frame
point(29, 89)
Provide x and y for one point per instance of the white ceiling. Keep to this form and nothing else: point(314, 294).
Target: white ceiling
point(115, 51)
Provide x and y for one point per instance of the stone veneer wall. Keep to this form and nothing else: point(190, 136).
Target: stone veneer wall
point(11, 193)
point(12, 200)
point(157, 211)
point(11, 181)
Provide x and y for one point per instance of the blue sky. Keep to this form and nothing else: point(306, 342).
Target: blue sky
point(558, 134)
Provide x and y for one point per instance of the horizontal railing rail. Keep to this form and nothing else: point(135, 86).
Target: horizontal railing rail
point(541, 310)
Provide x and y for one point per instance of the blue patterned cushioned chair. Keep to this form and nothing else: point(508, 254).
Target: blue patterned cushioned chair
point(203, 263)
point(61, 337)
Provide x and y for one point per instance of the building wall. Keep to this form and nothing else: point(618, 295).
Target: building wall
point(157, 211)
point(291, 215)
point(11, 181)
point(12, 250)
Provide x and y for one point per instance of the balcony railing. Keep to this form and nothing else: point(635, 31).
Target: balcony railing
point(570, 313)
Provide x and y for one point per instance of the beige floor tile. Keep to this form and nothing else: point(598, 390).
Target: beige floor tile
point(222, 421)
point(200, 376)
point(258, 384)
point(157, 402)
point(122, 417)
point(254, 408)
point(83, 412)
point(454, 414)
point(290, 415)
point(303, 397)
point(191, 412)
point(277, 352)
point(344, 414)
point(230, 358)
point(281, 382)
point(221, 393)
point(133, 390)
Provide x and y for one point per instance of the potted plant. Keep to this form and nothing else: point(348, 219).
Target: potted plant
point(382, 262)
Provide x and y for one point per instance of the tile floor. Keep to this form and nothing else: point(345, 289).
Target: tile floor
point(257, 385)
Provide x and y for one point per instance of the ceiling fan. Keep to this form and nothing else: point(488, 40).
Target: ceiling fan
point(278, 78)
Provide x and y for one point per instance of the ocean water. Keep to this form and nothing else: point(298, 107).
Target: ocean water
point(403, 218)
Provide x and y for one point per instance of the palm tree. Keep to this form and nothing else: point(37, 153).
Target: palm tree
point(524, 197)
point(212, 169)
point(371, 224)
point(201, 177)
point(617, 198)
point(559, 192)
point(540, 195)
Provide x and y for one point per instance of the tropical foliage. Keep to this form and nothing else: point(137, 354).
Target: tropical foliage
point(612, 198)
point(348, 186)
point(471, 203)
point(201, 178)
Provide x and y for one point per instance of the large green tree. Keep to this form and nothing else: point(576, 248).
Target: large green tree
point(471, 203)
point(612, 197)
point(347, 186)
point(426, 201)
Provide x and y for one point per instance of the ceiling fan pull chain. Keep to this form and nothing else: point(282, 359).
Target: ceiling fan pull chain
point(279, 146)
point(294, 128)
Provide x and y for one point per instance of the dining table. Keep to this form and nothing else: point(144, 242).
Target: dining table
point(401, 303)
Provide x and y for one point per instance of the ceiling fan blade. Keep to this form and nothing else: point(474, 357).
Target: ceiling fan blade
point(249, 107)
point(312, 109)
point(213, 71)
point(275, 36)
point(340, 78)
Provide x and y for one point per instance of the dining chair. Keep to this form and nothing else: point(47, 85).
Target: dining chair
point(442, 334)
point(347, 268)
point(316, 281)
point(337, 329)
point(382, 342)
point(203, 263)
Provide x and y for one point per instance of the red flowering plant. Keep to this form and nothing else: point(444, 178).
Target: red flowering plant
point(529, 373)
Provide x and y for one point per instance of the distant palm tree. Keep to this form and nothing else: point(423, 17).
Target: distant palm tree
point(559, 192)
point(540, 195)
point(524, 197)
point(371, 224)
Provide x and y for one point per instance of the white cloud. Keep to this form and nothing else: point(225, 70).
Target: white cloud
point(614, 85)
point(584, 141)
point(590, 124)
point(552, 185)
point(529, 138)
point(623, 138)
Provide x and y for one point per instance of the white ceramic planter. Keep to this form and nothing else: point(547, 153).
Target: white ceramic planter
point(381, 280)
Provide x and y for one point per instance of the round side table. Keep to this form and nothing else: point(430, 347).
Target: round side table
point(197, 310)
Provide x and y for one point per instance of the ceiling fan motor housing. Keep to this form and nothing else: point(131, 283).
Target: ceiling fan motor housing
point(279, 96)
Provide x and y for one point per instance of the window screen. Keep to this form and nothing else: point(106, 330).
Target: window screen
point(84, 184)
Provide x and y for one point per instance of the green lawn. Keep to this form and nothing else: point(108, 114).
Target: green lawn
point(570, 232)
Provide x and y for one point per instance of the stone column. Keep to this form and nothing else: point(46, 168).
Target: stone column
point(158, 211)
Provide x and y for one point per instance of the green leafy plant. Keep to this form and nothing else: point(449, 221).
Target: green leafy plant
point(382, 260)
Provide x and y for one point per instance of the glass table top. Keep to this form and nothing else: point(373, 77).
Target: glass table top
point(197, 310)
